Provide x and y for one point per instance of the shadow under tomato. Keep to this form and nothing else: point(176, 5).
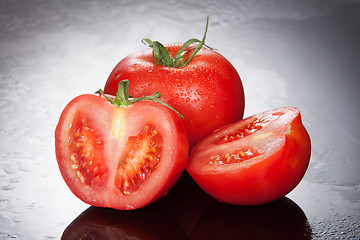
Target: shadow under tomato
point(149, 223)
point(172, 217)
point(186, 202)
point(282, 219)
point(187, 212)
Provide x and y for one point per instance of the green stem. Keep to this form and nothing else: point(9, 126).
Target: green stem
point(201, 43)
point(122, 97)
point(162, 56)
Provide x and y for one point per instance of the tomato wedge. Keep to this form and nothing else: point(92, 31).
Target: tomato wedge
point(122, 157)
point(255, 160)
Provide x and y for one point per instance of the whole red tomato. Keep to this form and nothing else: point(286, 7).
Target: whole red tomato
point(205, 88)
point(255, 160)
point(119, 152)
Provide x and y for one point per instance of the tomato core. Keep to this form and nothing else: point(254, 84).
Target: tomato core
point(142, 156)
point(86, 149)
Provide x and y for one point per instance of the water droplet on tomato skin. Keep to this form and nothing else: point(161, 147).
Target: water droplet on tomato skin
point(199, 92)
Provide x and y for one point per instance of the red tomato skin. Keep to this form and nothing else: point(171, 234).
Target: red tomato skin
point(208, 91)
point(262, 180)
point(103, 192)
point(62, 149)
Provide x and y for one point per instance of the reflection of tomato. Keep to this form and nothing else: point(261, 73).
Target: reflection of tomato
point(148, 223)
point(117, 156)
point(186, 202)
point(208, 91)
point(255, 160)
point(282, 219)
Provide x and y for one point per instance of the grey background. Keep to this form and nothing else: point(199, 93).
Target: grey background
point(288, 53)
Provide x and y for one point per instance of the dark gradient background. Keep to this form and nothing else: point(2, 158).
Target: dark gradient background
point(288, 53)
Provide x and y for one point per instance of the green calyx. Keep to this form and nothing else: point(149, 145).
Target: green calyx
point(123, 99)
point(162, 56)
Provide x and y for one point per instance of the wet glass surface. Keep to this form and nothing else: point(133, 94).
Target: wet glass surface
point(288, 53)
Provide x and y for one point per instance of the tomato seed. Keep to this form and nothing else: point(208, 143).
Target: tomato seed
point(236, 157)
point(141, 158)
point(86, 151)
point(252, 127)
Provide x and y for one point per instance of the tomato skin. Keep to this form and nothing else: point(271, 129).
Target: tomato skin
point(285, 154)
point(101, 116)
point(208, 91)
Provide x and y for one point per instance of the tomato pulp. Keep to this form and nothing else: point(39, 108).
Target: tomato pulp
point(208, 91)
point(119, 157)
point(255, 160)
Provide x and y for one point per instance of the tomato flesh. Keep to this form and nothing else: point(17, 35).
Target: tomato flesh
point(255, 160)
point(120, 157)
point(86, 150)
point(243, 153)
point(141, 158)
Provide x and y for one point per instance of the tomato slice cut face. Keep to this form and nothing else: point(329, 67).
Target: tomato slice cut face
point(119, 157)
point(86, 149)
point(142, 156)
point(255, 160)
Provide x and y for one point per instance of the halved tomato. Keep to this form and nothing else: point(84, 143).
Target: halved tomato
point(255, 160)
point(122, 157)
